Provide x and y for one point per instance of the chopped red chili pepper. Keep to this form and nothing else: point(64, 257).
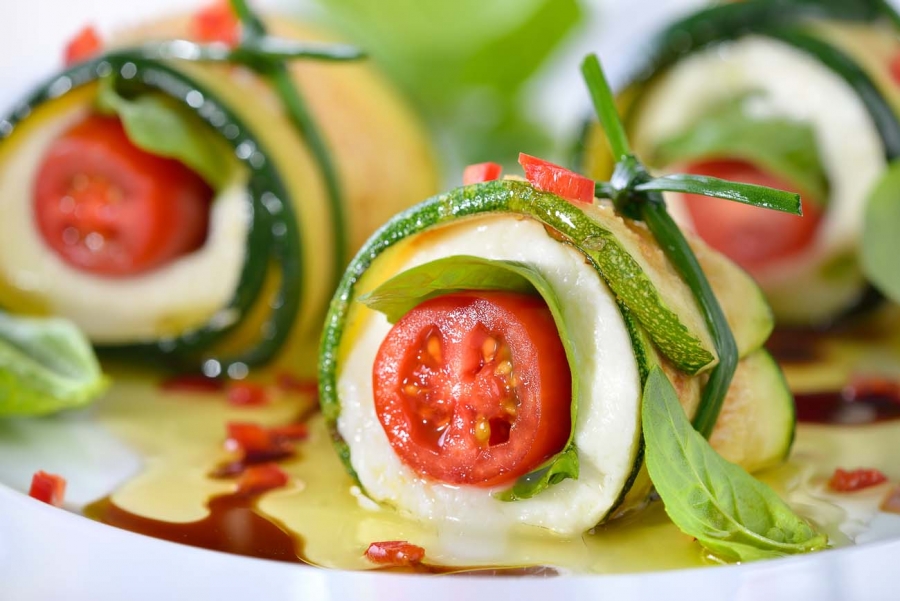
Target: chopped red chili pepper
point(290, 432)
point(395, 553)
point(48, 488)
point(247, 394)
point(863, 387)
point(481, 172)
point(84, 45)
point(260, 478)
point(288, 382)
point(192, 383)
point(849, 481)
point(216, 23)
point(558, 180)
point(248, 437)
point(891, 502)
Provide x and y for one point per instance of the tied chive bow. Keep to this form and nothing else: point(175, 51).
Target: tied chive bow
point(637, 195)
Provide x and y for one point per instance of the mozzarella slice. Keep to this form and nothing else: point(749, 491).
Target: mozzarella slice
point(607, 430)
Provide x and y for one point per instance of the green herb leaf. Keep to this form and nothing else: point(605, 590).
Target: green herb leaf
point(400, 294)
point(880, 242)
point(784, 147)
point(733, 515)
point(161, 126)
point(758, 196)
point(46, 365)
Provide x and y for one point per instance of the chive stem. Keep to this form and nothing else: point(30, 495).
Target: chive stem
point(751, 194)
point(676, 248)
point(605, 106)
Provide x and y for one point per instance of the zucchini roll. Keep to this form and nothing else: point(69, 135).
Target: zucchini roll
point(201, 209)
point(484, 358)
point(793, 94)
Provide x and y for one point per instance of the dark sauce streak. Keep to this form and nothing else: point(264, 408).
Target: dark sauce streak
point(233, 526)
point(794, 346)
point(855, 405)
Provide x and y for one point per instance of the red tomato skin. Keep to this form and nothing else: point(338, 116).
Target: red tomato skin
point(481, 172)
point(216, 22)
point(247, 394)
point(49, 488)
point(395, 553)
point(548, 177)
point(527, 417)
point(257, 479)
point(84, 45)
point(93, 180)
point(858, 479)
point(753, 238)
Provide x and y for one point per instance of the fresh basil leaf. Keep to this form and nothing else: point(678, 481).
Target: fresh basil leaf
point(161, 126)
point(400, 294)
point(728, 511)
point(46, 365)
point(784, 147)
point(880, 245)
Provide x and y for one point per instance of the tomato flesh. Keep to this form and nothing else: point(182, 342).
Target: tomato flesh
point(558, 180)
point(109, 208)
point(481, 172)
point(753, 238)
point(474, 388)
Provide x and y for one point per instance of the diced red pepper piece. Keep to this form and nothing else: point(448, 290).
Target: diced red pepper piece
point(288, 382)
point(290, 432)
point(83, 46)
point(481, 172)
point(891, 502)
point(248, 437)
point(894, 68)
point(558, 180)
point(48, 488)
point(260, 478)
point(247, 394)
point(850, 481)
point(395, 553)
point(216, 23)
point(192, 383)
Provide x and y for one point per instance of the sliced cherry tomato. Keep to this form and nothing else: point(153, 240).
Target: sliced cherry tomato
point(481, 172)
point(474, 388)
point(109, 208)
point(247, 394)
point(395, 553)
point(753, 238)
point(83, 46)
point(48, 488)
point(858, 479)
point(558, 180)
point(216, 22)
point(256, 479)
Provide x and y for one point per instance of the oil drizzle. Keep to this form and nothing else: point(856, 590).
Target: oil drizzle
point(232, 526)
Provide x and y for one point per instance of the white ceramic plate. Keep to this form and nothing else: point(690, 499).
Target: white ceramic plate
point(46, 553)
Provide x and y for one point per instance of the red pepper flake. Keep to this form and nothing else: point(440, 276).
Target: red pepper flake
point(192, 383)
point(395, 553)
point(259, 478)
point(84, 45)
point(557, 180)
point(288, 382)
point(290, 432)
point(216, 23)
point(247, 394)
point(481, 172)
point(858, 479)
point(891, 502)
point(48, 488)
point(248, 437)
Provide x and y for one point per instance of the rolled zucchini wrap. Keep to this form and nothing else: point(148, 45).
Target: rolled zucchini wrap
point(198, 202)
point(795, 94)
point(484, 359)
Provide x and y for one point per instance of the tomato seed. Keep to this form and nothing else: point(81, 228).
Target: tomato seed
point(482, 430)
point(504, 368)
point(411, 389)
point(434, 348)
point(489, 349)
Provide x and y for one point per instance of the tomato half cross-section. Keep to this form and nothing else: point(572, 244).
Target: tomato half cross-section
point(474, 388)
point(109, 208)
